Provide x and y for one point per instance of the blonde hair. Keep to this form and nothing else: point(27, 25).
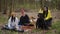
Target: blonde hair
point(13, 13)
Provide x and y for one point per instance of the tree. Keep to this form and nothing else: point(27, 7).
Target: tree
point(5, 6)
point(0, 5)
point(11, 8)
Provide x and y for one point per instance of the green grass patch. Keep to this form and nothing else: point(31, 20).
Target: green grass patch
point(56, 25)
point(3, 19)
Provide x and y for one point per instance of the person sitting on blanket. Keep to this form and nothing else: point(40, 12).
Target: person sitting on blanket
point(24, 22)
point(24, 19)
point(12, 22)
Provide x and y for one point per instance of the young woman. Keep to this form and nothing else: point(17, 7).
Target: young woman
point(12, 22)
point(47, 16)
point(44, 19)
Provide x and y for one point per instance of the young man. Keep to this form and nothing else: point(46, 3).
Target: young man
point(24, 19)
point(24, 22)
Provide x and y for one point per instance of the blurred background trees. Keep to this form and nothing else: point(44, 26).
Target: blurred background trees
point(13, 5)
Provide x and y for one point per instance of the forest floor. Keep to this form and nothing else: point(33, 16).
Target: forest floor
point(55, 29)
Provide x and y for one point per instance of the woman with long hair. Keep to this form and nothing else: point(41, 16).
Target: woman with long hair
point(47, 17)
point(12, 22)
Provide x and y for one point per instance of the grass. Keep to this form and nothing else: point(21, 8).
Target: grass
point(55, 28)
point(3, 19)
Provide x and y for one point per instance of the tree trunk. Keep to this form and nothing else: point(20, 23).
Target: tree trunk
point(0, 5)
point(5, 7)
point(11, 8)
